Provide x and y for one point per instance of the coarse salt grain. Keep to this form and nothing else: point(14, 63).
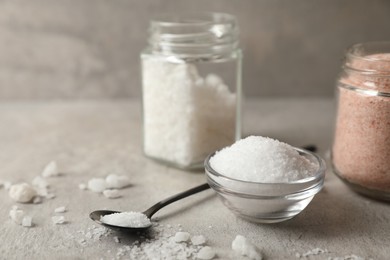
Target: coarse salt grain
point(58, 220)
point(190, 131)
point(198, 240)
point(181, 237)
point(82, 186)
point(40, 182)
point(97, 185)
point(117, 181)
point(243, 247)
point(51, 170)
point(262, 159)
point(22, 192)
point(61, 209)
point(27, 221)
point(127, 219)
point(111, 194)
point(206, 253)
point(16, 215)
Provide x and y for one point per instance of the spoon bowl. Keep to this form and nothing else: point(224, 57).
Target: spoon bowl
point(97, 214)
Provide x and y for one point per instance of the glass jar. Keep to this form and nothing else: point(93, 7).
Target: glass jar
point(361, 146)
point(191, 82)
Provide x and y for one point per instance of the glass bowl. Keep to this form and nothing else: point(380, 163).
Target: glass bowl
point(267, 202)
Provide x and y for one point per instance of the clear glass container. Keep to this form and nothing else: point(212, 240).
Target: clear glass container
point(191, 82)
point(361, 146)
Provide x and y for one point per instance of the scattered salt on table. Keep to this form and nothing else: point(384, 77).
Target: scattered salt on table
point(57, 220)
point(27, 221)
point(16, 215)
point(181, 237)
point(22, 192)
point(243, 247)
point(126, 219)
point(198, 240)
point(262, 159)
point(117, 181)
point(97, 185)
point(51, 170)
point(82, 186)
point(61, 209)
point(206, 253)
point(111, 194)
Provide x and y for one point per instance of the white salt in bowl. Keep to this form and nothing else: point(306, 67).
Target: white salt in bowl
point(267, 202)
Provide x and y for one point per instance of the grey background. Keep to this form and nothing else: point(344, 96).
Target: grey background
point(53, 49)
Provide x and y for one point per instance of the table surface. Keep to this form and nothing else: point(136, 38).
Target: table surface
point(95, 138)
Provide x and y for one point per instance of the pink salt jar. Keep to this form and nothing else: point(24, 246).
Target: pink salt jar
point(361, 146)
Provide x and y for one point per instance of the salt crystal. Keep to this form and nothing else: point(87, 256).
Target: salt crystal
point(51, 170)
point(97, 185)
point(117, 181)
point(57, 220)
point(206, 253)
point(315, 251)
point(61, 209)
point(243, 247)
point(40, 182)
point(198, 240)
point(126, 219)
point(262, 159)
point(27, 221)
point(188, 128)
point(116, 239)
point(111, 194)
point(82, 186)
point(16, 215)
point(181, 237)
point(22, 192)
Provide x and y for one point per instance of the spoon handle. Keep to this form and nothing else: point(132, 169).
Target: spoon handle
point(156, 207)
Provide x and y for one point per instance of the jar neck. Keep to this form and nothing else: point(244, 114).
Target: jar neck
point(367, 66)
point(193, 35)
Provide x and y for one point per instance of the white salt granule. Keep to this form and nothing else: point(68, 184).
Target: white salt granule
point(181, 237)
point(16, 215)
point(198, 240)
point(315, 251)
point(40, 182)
point(57, 220)
point(262, 159)
point(22, 192)
point(97, 185)
point(206, 253)
point(127, 219)
point(243, 247)
point(51, 170)
point(61, 209)
point(82, 186)
point(111, 194)
point(199, 113)
point(27, 221)
point(116, 239)
point(117, 181)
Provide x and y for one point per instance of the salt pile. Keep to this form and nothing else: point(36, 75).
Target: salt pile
point(127, 219)
point(262, 159)
point(199, 113)
point(243, 247)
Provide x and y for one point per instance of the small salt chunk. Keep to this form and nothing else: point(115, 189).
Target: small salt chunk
point(181, 237)
point(17, 215)
point(40, 182)
point(51, 170)
point(111, 194)
point(116, 239)
point(198, 240)
point(82, 186)
point(61, 209)
point(97, 185)
point(126, 219)
point(206, 253)
point(22, 192)
point(27, 221)
point(57, 220)
point(243, 247)
point(117, 181)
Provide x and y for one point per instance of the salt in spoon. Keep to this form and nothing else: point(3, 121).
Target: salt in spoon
point(97, 214)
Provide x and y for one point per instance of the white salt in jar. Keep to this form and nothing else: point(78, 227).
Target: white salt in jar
point(191, 80)
point(361, 147)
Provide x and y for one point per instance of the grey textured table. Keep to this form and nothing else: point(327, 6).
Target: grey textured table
point(94, 138)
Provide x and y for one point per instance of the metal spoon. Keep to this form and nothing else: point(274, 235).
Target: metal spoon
point(96, 215)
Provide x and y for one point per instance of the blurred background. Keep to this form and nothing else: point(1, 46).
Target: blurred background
point(73, 49)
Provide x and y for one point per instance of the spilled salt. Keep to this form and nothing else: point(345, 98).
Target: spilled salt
point(242, 246)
